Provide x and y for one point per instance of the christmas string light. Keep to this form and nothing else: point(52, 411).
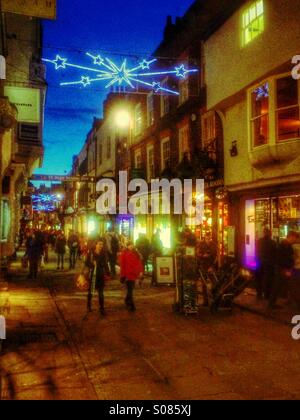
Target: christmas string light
point(113, 74)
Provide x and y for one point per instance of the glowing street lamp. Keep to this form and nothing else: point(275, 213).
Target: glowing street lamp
point(122, 119)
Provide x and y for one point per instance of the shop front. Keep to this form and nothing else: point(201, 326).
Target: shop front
point(278, 211)
point(215, 222)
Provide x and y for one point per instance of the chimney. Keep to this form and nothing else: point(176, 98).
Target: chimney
point(169, 29)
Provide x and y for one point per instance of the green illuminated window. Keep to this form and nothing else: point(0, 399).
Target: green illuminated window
point(253, 21)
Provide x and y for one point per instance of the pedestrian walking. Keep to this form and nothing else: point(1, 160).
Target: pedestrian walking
point(34, 252)
point(131, 270)
point(285, 264)
point(73, 244)
point(143, 246)
point(97, 262)
point(266, 252)
point(113, 248)
point(60, 249)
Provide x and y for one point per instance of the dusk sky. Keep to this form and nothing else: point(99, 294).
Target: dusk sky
point(95, 26)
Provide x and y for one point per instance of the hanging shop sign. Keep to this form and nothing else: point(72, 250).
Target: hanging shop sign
point(27, 101)
point(165, 270)
point(44, 9)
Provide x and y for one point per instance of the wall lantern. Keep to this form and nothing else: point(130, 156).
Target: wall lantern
point(234, 149)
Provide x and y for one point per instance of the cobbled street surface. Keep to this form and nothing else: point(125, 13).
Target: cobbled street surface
point(54, 350)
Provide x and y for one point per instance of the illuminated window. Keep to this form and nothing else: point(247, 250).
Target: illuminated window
point(253, 21)
point(150, 109)
point(138, 119)
point(287, 109)
point(183, 142)
point(260, 115)
point(165, 153)
point(150, 163)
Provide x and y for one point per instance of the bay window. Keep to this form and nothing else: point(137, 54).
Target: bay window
point(274, 108)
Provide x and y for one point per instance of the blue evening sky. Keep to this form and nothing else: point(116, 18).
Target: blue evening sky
point(115, 26)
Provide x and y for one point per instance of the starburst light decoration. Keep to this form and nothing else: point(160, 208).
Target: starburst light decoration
point(105, 70)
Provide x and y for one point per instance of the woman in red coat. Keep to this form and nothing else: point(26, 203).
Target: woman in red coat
point(131, 269)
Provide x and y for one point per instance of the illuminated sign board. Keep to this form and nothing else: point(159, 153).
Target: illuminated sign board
point(27, 101)
point(44, 9)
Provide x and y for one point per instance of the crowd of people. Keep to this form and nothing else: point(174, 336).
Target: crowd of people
point(278, 271)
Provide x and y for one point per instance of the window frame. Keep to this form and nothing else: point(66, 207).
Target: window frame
point(163, 160)
point(150, 176)
point(277, 110)
point(150, 110)
point(184, 137)
point(138, 119)
point(138, 161)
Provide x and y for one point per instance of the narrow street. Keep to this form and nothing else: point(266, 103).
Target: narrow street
point(55, 351)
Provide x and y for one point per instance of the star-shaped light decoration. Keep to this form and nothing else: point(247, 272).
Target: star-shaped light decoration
point(181, 71)
point(85, 81)
point(156, 87)
point(98, 61)
point(113, 74)
point(60, 62)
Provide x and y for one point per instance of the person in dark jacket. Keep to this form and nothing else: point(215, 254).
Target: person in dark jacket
point(73, 244)
point(98, 259)
point(60, 250)
point(285, 263)
point(144, 248)
point(34, 252)
point(267, 253)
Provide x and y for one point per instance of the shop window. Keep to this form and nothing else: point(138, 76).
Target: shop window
point(183, 142)
point(253, 22)
point(165, 153)
point(260, 115)
point(5, 220)
point(279, 214)
point(287, 112)
point(150, 163)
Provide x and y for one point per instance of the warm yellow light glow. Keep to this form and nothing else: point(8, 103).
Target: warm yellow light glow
point(91, 226)
point(122, 119)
